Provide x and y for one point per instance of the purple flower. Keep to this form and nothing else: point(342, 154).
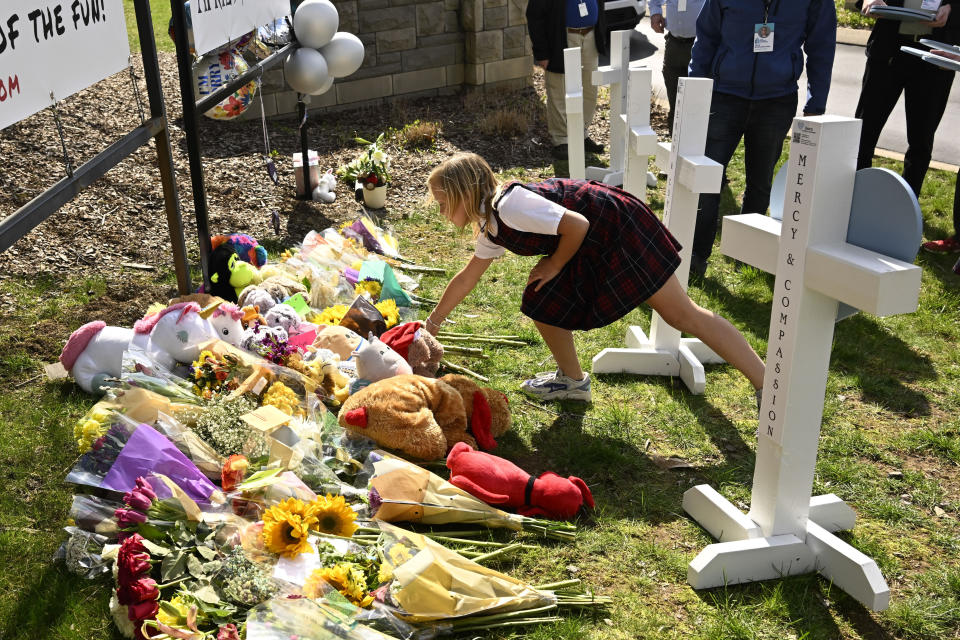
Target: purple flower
point(375, 501)
point(137, 500)
point(127, 518)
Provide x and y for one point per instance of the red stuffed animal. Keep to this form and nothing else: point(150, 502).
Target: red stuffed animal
point(500, 482)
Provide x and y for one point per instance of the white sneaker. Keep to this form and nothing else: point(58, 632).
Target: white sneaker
point(556, 386)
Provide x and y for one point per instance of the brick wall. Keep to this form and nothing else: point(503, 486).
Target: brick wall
point(419, 48)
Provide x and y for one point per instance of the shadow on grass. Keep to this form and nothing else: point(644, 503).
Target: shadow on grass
point(882, 362)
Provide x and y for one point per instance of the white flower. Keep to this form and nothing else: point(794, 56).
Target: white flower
point(119, 613)
point(379, 156)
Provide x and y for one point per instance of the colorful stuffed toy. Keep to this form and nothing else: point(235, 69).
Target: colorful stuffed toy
point(418, 416)
point(246, 247)
point(227, 321)
point(500, 482)
point(488, 412)
point(340, 340)
point(415, 345)
point(230, 275)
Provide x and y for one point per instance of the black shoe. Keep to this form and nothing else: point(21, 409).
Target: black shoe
point(591, 146)
point(559, 152)
point(698, 267)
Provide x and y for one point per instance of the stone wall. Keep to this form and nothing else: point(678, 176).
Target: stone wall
point(418, 48)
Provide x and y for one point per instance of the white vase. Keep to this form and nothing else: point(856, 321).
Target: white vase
point(375, 198)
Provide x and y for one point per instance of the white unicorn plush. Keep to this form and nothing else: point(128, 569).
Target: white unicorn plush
point(227, 322)
point(94, 352)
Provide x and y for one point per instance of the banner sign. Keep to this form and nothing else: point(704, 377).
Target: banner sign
point(57, 47)
point(217, 22)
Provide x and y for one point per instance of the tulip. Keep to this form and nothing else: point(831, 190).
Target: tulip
point(146, 488)
point(137, 500)
point(127, 518)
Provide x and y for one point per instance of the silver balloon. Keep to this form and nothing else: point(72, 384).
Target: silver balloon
point(315, 22)
point(344, 54)
point(305, 70)
point(324, 87)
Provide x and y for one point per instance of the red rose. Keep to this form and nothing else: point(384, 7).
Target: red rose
point(133, 544)
point(139, 591)
point(132, 567)
point(146, 610)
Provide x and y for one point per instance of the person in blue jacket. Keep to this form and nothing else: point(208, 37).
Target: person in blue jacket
point(754, 51)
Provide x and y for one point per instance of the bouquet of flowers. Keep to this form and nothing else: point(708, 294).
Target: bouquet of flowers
point(371, 168)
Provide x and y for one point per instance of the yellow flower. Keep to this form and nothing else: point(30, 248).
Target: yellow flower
point(286, 526)
point(333, 515)
point(346, 577)
point(331, 315)
point(385, 574)
point(369, 286)
point(388, 309)
point(282, 397)
point(399, 554)
point(174, 613)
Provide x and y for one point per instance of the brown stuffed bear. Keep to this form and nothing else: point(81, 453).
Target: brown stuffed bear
point(423, 417)
point(419, 416)
point(488, 413)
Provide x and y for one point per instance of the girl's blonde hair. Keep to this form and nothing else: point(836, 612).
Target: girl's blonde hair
point(466, 178)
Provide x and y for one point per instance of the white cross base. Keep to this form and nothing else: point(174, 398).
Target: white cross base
point(690, 173)
point(787, 532)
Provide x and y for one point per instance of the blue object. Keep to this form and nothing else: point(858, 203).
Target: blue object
point(884, 216)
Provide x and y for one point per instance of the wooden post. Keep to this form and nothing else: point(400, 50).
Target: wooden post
point(573, 104)
point(641, 139)
point(690, 173)
point(787, 532)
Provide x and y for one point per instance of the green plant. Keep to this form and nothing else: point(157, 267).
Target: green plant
point(417, 134)
point(371, 167)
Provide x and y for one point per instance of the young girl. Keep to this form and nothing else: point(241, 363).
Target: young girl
point(604, 253)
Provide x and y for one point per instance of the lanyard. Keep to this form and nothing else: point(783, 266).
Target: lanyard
point(766, 10)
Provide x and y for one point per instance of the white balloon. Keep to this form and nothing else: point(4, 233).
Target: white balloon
point(305, 70)
point(315, 22)
point(324, 87)
point(344, 54)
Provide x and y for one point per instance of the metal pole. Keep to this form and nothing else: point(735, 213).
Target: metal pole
point(304, 152)
point(189, 101)
point(171, 198)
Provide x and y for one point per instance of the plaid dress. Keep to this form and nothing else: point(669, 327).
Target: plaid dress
point(626, 256)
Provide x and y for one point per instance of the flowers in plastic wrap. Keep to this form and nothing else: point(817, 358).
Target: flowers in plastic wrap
point(369, 287)
point(92, 426)
point(287, 525)
point(219, 424)
point(334, 516)
point(403, 492)
point(283, 398)
point(388, 309)
point(331, 315)
point(285, 618)
point(214, 374)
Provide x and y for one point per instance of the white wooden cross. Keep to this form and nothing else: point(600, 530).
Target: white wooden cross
point(616, 75)
point(689, 173)
point(787, 531)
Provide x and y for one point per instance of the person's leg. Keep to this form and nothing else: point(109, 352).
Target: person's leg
point(589, 58)
point(925, 99)
point(727, 120)
point(556, 109)
point(671, 52)
point(767, 127)
point(879, 92)
point(560, 343)
point(680, 312)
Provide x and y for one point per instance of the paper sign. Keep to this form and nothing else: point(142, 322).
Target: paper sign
point(217, 22)
point(266, 418)
point(299, 304)
point(303, 339)
point(57, 47)
point(55, 371)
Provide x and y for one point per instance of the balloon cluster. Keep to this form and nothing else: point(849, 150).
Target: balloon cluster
point(324, 52)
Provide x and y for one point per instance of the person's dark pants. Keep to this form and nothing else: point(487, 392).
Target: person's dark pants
point(926, 90)
point(676, 60)
point(763, 125)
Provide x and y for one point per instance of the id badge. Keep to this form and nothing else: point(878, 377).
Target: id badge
point(582, 7)
point(763, 37)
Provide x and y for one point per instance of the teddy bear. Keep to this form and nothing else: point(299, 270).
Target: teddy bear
point(271, 290)
point(488, 412)
point(418, 416)
point(417, 346)
point(326, 189)
point(500, 482)
point(424, 417)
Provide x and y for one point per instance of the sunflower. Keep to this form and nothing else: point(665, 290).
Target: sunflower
point(333, 515)
point(285, 528)
point(346, 577)
point(331, 315)
point(388, 309)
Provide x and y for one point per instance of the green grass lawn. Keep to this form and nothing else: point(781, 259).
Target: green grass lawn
point(160, 9)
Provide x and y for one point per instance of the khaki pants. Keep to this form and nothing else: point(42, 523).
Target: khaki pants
point(556, 109)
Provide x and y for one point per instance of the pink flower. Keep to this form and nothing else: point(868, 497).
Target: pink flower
point(228, 632)
point(138, 591)
point(137, 500)
point(127, 518)
point(146, 488)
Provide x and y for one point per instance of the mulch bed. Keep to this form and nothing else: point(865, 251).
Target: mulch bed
point(120, 220)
